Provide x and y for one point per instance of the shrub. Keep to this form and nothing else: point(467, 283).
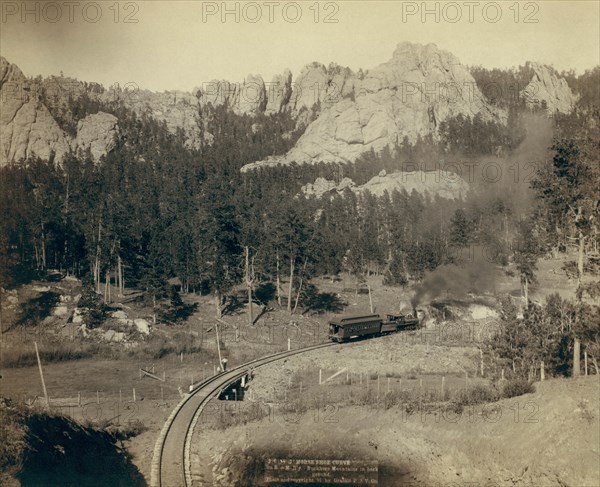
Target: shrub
point(37, 309)
point(517, 387)
point(94, 311)
point(477, 394)
point(14, 432)
point(49, 352)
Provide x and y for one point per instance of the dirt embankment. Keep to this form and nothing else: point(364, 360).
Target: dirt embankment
point(42, 449)
point(546, 439)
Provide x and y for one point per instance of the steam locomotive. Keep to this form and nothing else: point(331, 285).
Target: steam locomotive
point(362, 326)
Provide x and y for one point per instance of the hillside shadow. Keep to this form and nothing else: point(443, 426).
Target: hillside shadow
point(63, 453)
point(37, 309)
point(316, 302)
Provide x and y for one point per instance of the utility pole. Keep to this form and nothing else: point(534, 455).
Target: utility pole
point(218, 345)
point(37, 354)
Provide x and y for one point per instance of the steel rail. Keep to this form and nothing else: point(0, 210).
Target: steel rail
point(171, 465)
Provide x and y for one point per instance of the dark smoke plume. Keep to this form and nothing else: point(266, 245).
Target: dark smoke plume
point(456, 281)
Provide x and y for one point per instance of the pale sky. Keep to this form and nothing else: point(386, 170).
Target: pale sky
point(180, 44)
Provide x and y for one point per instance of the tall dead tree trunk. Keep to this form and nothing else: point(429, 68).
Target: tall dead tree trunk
point(43, 248)
point(300, 286)
point(121, 284)
point(576, 342)
point(580, 255)
point(97, 263)
point(290, 285)
point(218, 300)
point(576, 358)
point(249, 271)
point(278, 282)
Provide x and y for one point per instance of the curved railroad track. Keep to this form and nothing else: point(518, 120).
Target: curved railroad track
point(171, 460)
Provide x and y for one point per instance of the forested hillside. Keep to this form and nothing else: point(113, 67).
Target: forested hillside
point(154, 208)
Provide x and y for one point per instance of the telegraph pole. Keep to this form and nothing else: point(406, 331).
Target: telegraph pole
point(37, 354)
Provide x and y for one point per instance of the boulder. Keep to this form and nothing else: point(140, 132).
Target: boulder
point(319, 187)
point(60, 311)
point(77, 316)
point(142, 325)
point(120, 315)
point(113, 336)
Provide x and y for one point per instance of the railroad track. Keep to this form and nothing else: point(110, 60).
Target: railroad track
point(171, 460)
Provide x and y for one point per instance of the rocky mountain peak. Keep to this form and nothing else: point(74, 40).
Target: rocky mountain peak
point(547, 90)
point(407, 96)
point(10, 73)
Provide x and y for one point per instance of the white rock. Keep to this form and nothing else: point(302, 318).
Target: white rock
point(97, 132)
point(443, 184)
point(142, 325)
point(119, 314)
point(113, 336)
point(60, 311)
point(26, 126)
point(387, 105)
point(119, 337)
point(77, 316)
point(545, 88)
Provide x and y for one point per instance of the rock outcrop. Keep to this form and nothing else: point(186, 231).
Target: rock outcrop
point(28, 129)
point(97, 133)
point(244, 98)
point(549, 91)
point(321, 86)
point(406, 97)
point(178, 109)
point(26, 126)
point(431, 183)
point(279, 92)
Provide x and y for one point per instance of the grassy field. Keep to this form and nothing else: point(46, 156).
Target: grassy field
point(103, 374)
